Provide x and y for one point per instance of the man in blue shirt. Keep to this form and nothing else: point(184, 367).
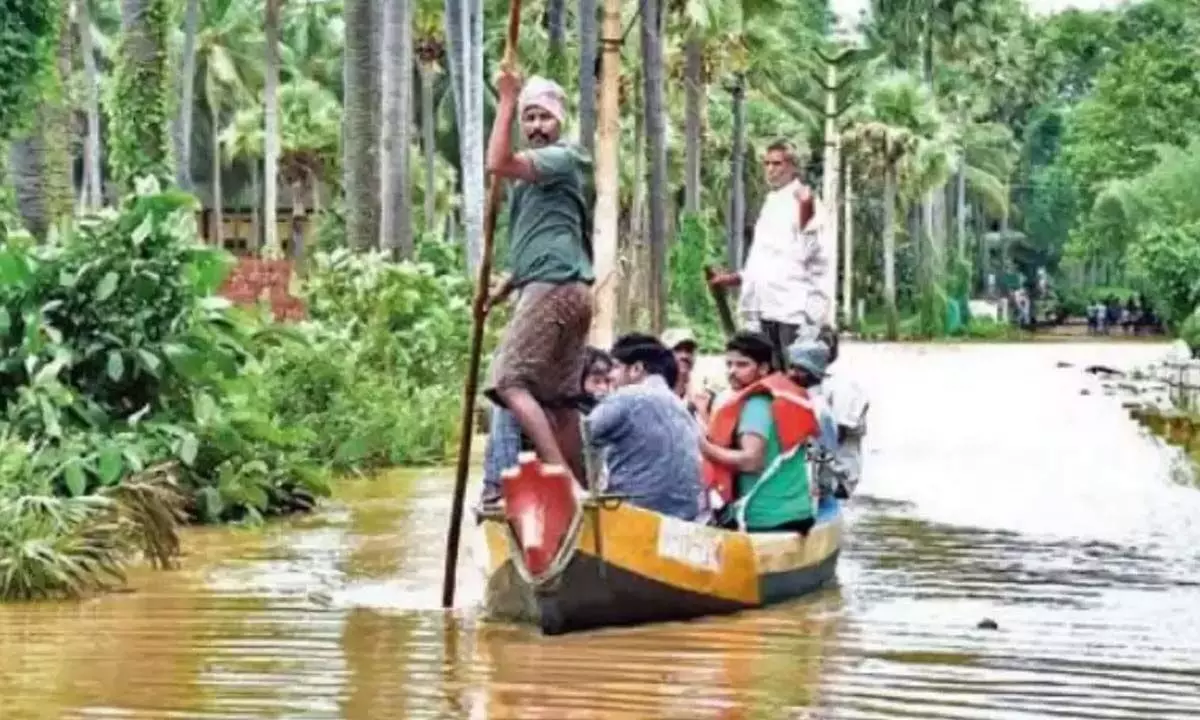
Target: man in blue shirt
point(649, 441)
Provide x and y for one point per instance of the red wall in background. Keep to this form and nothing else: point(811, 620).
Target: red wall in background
point(253, 278)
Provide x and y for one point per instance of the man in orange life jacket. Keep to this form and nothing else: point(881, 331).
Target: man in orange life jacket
point(755, 450)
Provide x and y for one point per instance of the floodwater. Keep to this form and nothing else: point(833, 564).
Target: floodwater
point(993, 489)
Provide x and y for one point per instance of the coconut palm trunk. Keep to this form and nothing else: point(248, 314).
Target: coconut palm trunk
point(186, 92)
point(360, 163)
point(890, 187)
point(428, 143)
point(395, 222)
point(588, 49)
point(656, 145)
point(218, 195)
point(93, 190)
point(40, 162)
point(694, 100)
point(271, 139)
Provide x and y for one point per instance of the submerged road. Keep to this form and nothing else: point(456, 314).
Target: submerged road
point(993, 489)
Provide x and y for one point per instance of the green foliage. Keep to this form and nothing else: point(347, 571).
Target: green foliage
point(28, 29)
point(115, 357)
point(1189, 332)
point(1167, 260)
point(379, 379)
point(139, 104)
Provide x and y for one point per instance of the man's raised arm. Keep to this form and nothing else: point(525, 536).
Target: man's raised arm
point(501, 160)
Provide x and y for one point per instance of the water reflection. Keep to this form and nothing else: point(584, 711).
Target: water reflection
point(995, 489)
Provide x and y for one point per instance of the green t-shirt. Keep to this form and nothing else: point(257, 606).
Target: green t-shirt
point(784, 497)
point(548, 219)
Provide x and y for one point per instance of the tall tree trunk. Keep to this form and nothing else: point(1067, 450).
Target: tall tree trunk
point(41, 161)
point(588, 45)
point(464, 32)
point(736, 224)
point(271, 138)
point(93, 187)
point(139, 129)
point(360, 163)
point(296, 188)
point(889, 253)
point(960, 213)
point(694, 105)
point(635, 290)
point(185, 91)
point(428, 144)
point(608, 200)
point(256, 233)
point(656, 145)
point(832, 175)
point(395, 221)
point(848, 257)
point(218, 195)
point(556, 16)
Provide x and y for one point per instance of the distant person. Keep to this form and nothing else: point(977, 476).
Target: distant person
point(785, 283)
point(649, 442)
point(755, 453)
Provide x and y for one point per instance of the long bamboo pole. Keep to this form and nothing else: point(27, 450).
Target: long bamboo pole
point(482, 281)
point(607, 178)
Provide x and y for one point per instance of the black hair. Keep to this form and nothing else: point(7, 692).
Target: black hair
point(829, 336)
point(650, 352)
point(592, 356)
point(753, 345)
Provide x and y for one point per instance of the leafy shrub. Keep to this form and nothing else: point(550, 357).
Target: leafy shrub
point(379, 376)
point(1167, 260)
point(117, 357)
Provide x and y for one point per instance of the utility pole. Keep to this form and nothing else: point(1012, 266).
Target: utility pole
point(605, 217)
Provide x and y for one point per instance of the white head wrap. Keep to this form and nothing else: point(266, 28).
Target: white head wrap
point(543, 93)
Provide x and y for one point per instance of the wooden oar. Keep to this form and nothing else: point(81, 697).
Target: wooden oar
point(721, 299)
point(471, 386)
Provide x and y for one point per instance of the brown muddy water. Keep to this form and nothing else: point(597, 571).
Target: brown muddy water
point(993, 489)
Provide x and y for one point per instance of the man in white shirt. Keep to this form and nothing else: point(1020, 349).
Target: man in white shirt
point(787, 275)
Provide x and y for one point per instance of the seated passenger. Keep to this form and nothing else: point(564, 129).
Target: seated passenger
point(807, 361)
point(755, 452)
point(651, 446)
point(505, 440)
point(848, 404)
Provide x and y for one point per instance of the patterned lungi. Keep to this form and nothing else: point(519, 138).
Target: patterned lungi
point(544, 346)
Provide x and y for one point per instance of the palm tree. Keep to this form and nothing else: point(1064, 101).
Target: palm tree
point(430, 51)
point(271, 128)
point(395, 222)
point(898, 141)
point(93, 187)
point(139, 142)
point(656, 145)
point(41, 161)
point(360, 163)
point(186, 92)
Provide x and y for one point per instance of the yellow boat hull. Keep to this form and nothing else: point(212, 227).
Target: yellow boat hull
point(628, 565)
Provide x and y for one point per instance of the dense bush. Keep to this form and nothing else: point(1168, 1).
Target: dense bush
point(1167, 260)
point(380, 376)
point(117, 357)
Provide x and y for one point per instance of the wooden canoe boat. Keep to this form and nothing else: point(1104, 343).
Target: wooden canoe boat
point(565, 561)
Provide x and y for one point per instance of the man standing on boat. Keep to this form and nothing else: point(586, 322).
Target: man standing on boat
point(755, 453)
point(786, 275)
point(535, 374)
